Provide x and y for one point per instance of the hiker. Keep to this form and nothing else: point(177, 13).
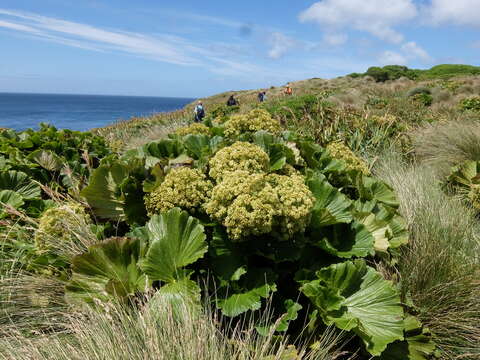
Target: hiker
point(199, 112)
point(264, 96)
point(232, 101)
point(261, 96)
point(288, 90)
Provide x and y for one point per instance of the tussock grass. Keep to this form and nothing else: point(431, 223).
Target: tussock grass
point(445, 144)
point(441, 266)
point(157, 331)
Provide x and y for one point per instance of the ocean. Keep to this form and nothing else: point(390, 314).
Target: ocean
point(78, 112)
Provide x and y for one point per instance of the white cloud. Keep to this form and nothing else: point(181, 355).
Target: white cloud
point(87, 36)
point(377, 17)
point(335, 39)
point(459, 12)
point(392, 58)
point(414, 51)
point(280, 44)
point(408, 51)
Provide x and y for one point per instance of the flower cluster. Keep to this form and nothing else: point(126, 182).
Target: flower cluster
point(340, 151)
point(60, 225)
point(194, 129)
point(183, 187)
point(255, 120)
point(239, 156)
point(253, 204)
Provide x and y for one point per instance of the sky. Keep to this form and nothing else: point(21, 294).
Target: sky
point(192, 48)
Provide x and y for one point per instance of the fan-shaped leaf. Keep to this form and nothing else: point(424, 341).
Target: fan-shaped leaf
point(372, 189)
point(9, 198)
point(348, 240)
point(355, 297)
point(182, 297)
point(331, 206)
point(103, 192)
point(176, 240)
point(108, 270)
point(20, 183)
point(237, 304)
point(47, 159)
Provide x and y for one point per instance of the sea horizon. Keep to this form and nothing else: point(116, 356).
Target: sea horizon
point(83, 112)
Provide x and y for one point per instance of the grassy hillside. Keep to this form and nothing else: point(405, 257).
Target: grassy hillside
point(341, 222)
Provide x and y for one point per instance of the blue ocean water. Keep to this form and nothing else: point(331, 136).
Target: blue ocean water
point(78, 112)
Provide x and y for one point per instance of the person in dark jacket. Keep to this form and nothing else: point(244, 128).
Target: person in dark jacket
point(261, 96)
point(232, 101)
point(199, 112)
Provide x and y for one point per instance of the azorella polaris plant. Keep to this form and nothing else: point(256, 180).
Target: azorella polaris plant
point(254, 204)
point(255, 120)
point(183, 187)
point(239, 156)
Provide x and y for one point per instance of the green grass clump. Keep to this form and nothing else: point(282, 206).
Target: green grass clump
point(440, 266)
point(447, 144)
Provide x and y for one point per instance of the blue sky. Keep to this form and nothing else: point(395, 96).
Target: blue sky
point(192, 48)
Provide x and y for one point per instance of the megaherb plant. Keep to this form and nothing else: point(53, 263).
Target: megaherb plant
point(34, 167)
point(251, 218)
point(59, 159)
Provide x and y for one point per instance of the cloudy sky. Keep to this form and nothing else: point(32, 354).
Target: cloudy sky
point(192, 48)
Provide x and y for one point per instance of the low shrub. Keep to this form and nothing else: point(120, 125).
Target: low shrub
point(419, 90)
point(470, 104)
point(377, 103)
point(423, 98)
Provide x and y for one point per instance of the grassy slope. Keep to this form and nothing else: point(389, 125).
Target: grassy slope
point(412, 148)
point(409, 145)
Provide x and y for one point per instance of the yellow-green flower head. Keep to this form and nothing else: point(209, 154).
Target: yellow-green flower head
point(255, 120)
point(340, 151)
point(183, 187)
point(253, 204)
point(193, 129)
point(239, 156)
point(60, 225)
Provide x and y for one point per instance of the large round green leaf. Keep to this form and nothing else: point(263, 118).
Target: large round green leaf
point(331, 206)
point(373, 189)
point(20, 183)
point(47, 159)
point(348, 240)
point(179, 299)
point(176, 240)
point(354, 296)
point(109, 270)
point(9, 198)
point(115, 193)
